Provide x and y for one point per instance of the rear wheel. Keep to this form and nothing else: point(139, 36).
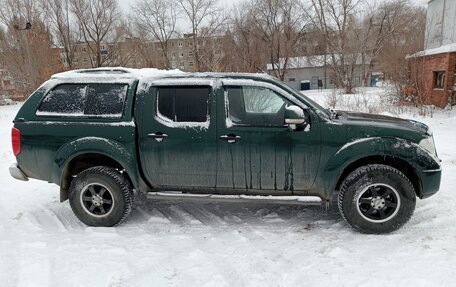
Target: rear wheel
point(376, 199)
point(101, 196)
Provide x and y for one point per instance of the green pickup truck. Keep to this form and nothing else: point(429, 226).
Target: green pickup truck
point(101, 134)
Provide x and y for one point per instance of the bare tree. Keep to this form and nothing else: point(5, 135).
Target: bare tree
point(98, 21)
point(380, 25)
point(406, 39)
point(205, 18)
point(280, 24)
point(337, 19)
point(158, 19)
point(268, 31)
point(66, 34)
point(28, 54)
point(247, 51)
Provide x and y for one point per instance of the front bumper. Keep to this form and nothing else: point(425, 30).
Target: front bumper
point(430, 182)
point(17, 173)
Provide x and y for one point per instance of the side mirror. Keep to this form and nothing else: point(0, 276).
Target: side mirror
point(295, 118)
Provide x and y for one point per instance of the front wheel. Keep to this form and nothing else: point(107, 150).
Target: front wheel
point(101, 196)
point(376, 199)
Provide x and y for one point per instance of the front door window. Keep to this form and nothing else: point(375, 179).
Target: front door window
point(255, 106)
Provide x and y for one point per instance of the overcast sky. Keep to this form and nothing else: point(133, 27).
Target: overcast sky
point(125, 4)
point(228, 4)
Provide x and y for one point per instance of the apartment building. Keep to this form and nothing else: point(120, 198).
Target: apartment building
point(135, 53)
point(181, 54)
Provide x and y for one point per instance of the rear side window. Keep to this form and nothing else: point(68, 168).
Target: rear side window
point(105, 99)
point(95, 100)
point(183, 104)
point(64, 99)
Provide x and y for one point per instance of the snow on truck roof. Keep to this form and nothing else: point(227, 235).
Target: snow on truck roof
point(117, 73)
point(146, 75)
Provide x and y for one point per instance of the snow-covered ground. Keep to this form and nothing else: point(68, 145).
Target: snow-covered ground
point(189, 243)
point(368, 100)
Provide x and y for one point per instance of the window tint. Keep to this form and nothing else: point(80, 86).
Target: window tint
point(166, 102)
point(103, 100)
point(255, 106)
point(183, 104)
point(64, 99)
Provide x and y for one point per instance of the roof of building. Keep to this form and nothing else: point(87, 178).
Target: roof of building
point(450, 48)
point(313, 61)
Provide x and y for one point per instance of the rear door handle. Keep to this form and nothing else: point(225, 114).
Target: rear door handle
point(159, 136)
point(230, 138)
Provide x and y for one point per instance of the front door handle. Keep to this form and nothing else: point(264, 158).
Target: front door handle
point(159, 136)
point(231, 138)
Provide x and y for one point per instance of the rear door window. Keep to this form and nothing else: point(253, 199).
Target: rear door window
point(92, 100)
point(183, 104)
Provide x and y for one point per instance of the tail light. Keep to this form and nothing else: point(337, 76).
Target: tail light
point(16, 141)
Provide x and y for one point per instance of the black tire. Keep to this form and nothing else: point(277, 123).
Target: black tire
point(376, 199)
point(101, 196)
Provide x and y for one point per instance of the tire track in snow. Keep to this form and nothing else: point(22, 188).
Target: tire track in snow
point(54, 216)
point(202, 214)
point(216, 214)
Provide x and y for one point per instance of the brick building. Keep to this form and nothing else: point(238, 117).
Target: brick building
point(433, 70)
